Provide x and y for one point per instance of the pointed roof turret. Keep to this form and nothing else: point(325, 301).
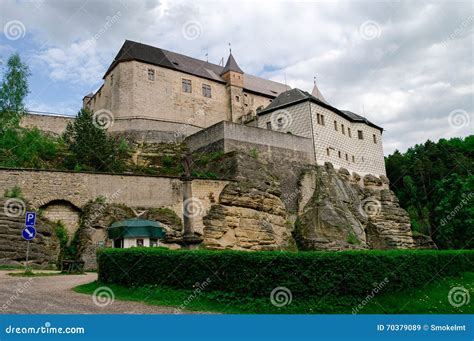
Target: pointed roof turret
point(316, 93)
point(231, 65)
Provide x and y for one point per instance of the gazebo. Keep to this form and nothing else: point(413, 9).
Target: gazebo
point(135, 232)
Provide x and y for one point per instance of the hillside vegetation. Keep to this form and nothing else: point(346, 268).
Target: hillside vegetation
point(435, 184)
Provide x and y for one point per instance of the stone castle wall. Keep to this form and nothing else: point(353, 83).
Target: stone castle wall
point(62, 195)
point(227, 137)
point(128, 93)
point(53, 124)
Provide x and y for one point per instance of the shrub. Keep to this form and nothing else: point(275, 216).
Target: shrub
point(306, 274)
point(14, 192)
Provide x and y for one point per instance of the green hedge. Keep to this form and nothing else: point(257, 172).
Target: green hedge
point(306, 274)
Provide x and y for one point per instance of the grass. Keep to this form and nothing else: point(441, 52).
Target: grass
point(431, 299)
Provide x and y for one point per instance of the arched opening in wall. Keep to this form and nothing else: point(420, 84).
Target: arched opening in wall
point(64, 211)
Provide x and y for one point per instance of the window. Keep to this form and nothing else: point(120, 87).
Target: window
point(206, 90)
point(335, 125)
point(343, 129)
point(327, 152)
point(360, 135)
point(269, 125)
point(349, 132)
point(347, 157)
point(353, 159)
point(320, 118)
point(237, 98)
point(187, 86)
point(375, 138)
point(151, 74)
point(111, 80)
point(154, 242)
point(139, 242)
point(339, 154)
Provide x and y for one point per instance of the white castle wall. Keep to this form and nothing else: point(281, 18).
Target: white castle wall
point(363, 156)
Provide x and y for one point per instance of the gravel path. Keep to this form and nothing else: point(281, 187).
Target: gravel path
point(53, 295)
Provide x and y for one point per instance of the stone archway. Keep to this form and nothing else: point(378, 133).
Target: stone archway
point(64, 211)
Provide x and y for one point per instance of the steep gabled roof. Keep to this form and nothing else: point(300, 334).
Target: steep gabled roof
point(156, 56)
point(295, 96)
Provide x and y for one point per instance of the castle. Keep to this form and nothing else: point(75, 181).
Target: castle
point(310, 177)
point(158, 95)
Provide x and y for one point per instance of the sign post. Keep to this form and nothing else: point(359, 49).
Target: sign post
point(29, 233)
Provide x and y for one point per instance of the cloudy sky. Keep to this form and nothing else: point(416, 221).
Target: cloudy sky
point(406, 65)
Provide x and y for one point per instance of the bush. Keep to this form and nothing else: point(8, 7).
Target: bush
point(306, 274)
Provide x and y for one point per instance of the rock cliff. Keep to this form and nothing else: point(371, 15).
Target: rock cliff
point(335, 210)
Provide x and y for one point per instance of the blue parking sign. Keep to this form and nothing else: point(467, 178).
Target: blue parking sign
point(29, 232)
point(30, 219)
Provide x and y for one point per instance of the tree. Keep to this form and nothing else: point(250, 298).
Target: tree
point(13, 91)
point(430, 180)
point(455, 212)
point(90, 147)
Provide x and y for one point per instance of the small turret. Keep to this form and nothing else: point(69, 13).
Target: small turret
point(232, 73)
point(316, 93)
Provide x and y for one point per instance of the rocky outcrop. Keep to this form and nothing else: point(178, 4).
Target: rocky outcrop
point(335, 210)
point(44, 248)
point(343, 214)
point(250, 214)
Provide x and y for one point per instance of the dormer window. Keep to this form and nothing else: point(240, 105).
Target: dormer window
point(151, 74)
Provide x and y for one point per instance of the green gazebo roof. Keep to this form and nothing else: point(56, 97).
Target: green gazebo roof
point(135, 228)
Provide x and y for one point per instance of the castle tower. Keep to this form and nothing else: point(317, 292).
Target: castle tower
point(316, 93)
point(234, 76)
